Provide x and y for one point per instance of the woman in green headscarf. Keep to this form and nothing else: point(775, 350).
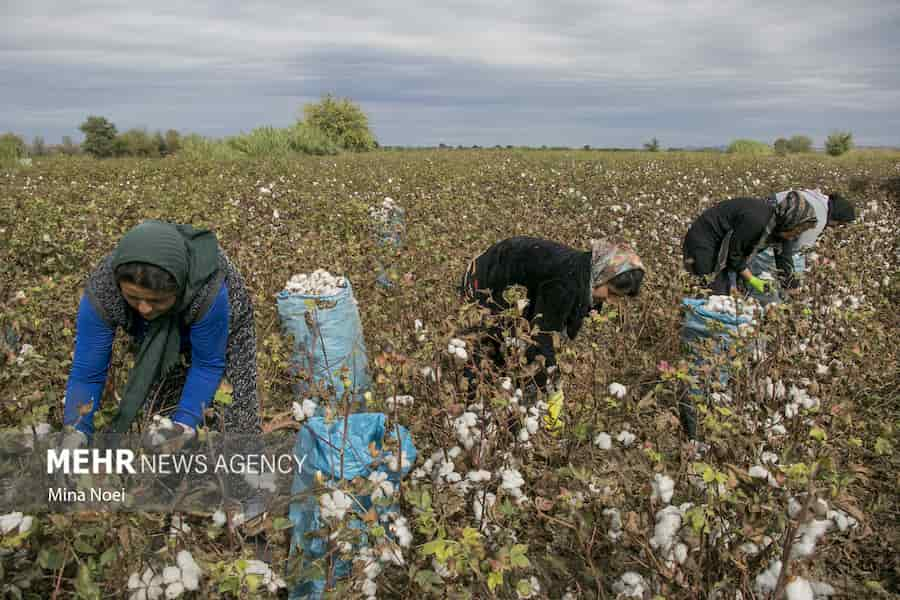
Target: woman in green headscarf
point(173, 290)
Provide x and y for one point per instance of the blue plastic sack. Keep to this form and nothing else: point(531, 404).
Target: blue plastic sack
point(336, 341)
point(321, 444)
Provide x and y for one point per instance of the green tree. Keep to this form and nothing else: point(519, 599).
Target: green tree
point(136, 142)
point(652, 145)
point(173, 141)
point(744, 146)
point(342, 121)
point(12, 146)
point(781, 146)
point(799, 143)
point(38, 147)
point(99, 137)
point(838, 143)
point(68, 147)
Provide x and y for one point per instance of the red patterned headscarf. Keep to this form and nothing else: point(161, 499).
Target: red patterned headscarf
point(609, 260)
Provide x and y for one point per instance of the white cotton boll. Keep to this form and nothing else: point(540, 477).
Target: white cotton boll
point(769, 458)
point(219, 518)
point(147, 576)
point(615, 523)
point(626, 438)
point(369, 588)
point(191, 581)
point(10, 521)
point(794, 507)
point(175, 590)
point(372, 570)
point(478, 476)
point(461, 355)
point(668, 522)
point(309, 408)
point(134, 582)
point(680, 552)
point(603, 441)
point(821, 369)
point(767, 581)
point(630, 585)
point(297, 411)
point(749, 548)
point(842, 520)
point(809, 534)
point(335, 504)
point(157, 581)
point(506, 383)
point(256, 567)
point(458, 343)
point(663, 488)
point(441, 570)
point(799, 589)
point(524, 436)
point(512, 479)
point(140, 594)
point(617, 390)
point(171, 575)
point(155, 592)
point(531, 423)
point(481, 502)
point(418, 325)
point(822, 590)
point(427, 373)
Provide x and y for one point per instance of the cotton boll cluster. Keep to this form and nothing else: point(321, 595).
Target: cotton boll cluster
point(16, 523)
point(172, 582)
point(219, 518)
point(394, 401)
point(663, 488)
point(799, 397)
point(467, 431)
point(335, 505)
point(615, 531)
point(482, 502)
point(512, 483)
point(157, 426)
point(603, 441)
point(457, 349)
point(40, 430)
point(665, 535)
point(318, 283)
point(371, 569)
point(767, 581)
point(626, 438)
point(262, 570)
point(305, 410)
point(400, 529)
point(772, 390)
point(749, 308)
point(760, 472)
point(630, 585)
point(617, 390)
point(382, 487)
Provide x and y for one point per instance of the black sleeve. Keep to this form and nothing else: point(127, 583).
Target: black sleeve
point(553, 305)
point(748, 225)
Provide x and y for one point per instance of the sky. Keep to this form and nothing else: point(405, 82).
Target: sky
point(608, 73)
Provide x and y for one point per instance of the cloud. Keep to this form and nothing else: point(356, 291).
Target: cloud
point(703, 71)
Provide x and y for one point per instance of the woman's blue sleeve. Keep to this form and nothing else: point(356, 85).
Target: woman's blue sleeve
point(209, 340)
point(90, 365)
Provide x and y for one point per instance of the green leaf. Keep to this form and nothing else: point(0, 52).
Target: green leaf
point(282, 523)
point(426, 579)
point(82, 547)
point(818, 434)
point(85, 588)
point(494, 579)
point(50, 559)
point(882, 447)
point(517, 556)
point(523, 587)
point(223, 397)
point(109, 556)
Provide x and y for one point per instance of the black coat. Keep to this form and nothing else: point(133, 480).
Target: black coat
point(558, 280)
point(746, 218)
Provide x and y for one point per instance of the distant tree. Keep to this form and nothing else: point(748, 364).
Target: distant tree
point(68, 147)
point(342, 121)
point(799, 143)
point(838, 143)
point(586, 147)
point(160, 142)
point(652, 145)
point(38, 147)
point(744, 146)
point(781, 146)
point(99, 137)
point(173, 141)
point(13, 146)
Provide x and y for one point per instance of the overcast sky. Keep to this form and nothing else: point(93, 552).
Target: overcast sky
point(563, 72)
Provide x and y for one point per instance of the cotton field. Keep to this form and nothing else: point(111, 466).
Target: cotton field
point(788, 490)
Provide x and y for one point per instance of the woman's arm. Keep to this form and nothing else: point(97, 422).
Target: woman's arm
point(209, 340)
point(90, 365)
point(554, 303)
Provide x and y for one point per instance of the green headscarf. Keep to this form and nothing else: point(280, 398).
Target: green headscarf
point(191, 257)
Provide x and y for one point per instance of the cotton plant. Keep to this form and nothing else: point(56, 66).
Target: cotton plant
point(268, 578)
point(305, 410)
point(663, 487)
point(171, 582)
point(15, 523)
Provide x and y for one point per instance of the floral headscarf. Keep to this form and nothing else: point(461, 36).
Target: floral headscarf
point(609, 260)
point(791, 213)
